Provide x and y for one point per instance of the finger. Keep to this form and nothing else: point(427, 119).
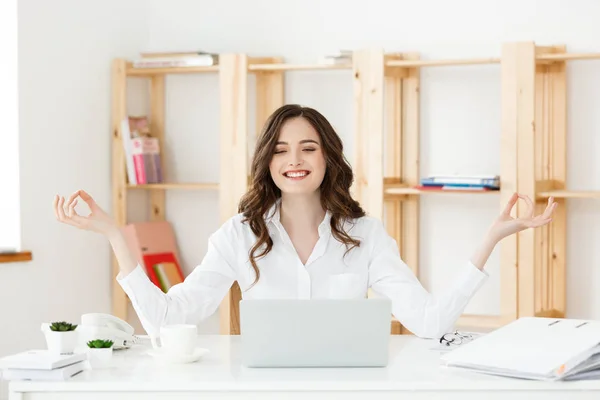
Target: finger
point(87, 198)
point(549, 210)
point(61, 214)
point(55, 206)
point(511, 203)
point(60, 210)
point(72, 211)
point(529, 205)
point(71, 198)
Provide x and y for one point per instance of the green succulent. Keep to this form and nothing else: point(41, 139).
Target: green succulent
point(62, 326)
point(100, 344)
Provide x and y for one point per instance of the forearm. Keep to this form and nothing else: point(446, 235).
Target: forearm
point(125, 258)
point(482, 253)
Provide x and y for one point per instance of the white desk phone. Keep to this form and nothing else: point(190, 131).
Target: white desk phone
point(106, 326)
point(109, 326)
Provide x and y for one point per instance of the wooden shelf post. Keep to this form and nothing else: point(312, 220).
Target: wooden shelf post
point(119, 180)
point(534, 153)
point(550, 142)
point(233, 81)
point(393, 94)
point(157, 127)
point(368, 70)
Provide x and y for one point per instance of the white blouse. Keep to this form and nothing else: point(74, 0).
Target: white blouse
point(376, 264)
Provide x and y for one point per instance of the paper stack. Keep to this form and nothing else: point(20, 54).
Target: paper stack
point(42, 365)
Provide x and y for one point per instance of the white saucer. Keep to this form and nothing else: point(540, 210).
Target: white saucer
point(162, 356)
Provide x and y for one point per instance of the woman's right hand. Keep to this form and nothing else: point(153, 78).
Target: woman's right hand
point(97, 220)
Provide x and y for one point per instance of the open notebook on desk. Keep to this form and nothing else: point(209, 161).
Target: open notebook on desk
point(534, 348)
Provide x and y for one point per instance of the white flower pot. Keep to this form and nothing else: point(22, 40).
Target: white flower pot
point(61, 342)
point(99, 358)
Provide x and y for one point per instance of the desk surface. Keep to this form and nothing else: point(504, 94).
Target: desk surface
point(413, 367)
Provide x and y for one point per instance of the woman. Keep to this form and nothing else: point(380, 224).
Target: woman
point(299, 234)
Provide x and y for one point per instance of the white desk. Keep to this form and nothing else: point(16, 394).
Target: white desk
point(413, 373)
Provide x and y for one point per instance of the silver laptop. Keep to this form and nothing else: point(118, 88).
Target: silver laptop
point(315, 332)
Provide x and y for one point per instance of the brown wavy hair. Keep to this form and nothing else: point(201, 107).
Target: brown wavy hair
point(334, 190)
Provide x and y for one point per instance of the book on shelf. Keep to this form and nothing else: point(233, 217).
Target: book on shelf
point(466, 188)
point(142, 151)
point(41, 365)
point(464, 182)
point(176, 59)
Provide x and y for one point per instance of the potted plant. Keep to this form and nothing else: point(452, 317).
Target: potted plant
point(99, 353)
point(61, 337)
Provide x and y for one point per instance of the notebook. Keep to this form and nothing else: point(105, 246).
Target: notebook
point(56, 374)
point(40, 359)
point(536, 348)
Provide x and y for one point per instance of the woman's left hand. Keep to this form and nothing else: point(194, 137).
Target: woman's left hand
point(506, 225)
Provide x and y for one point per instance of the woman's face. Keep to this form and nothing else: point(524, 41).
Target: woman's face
point(298, 163)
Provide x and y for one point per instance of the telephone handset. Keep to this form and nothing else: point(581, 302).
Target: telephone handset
point(108, 327)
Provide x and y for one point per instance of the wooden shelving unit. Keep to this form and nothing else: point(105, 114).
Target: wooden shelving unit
point(386, 88)
point(121, 71)
point(533, 162)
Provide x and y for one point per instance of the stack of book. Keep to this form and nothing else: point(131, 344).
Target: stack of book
point(460, 182)
point(176, 59)
point(341, 57)
point(142, 151)
point(41, 365)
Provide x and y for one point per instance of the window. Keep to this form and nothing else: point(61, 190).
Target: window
point(10, 231)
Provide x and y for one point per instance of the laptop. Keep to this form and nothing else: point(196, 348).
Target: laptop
point(315, 332)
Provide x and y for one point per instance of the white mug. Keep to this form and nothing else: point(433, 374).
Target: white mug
point(177, 340)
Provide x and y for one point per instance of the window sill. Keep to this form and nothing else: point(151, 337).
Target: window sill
point(15, 257)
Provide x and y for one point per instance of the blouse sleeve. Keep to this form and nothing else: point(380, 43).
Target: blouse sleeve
point(191, 301)
point(424, 314)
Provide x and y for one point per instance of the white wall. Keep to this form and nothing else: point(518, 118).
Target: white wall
point(10, 228)
point(65, 48)
point(65, 52)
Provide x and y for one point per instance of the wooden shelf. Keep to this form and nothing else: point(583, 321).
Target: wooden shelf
point(570, 194)
point(567, 56)
point(441, 63)
point(490, 60)
point(297, 67)
point(131, 71)
point(184, 186)
point(20, 256)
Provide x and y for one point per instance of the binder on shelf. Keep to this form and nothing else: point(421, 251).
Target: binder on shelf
point(535, 348)
point(155, 247)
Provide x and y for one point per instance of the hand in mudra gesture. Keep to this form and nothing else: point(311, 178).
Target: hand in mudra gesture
point(97, 220)
point(506, 225)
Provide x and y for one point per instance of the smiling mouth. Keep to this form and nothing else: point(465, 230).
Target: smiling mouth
point(296, 175)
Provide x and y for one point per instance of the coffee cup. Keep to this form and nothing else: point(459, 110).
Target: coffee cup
point(177, 340)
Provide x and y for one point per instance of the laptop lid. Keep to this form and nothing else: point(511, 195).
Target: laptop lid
point(315, 332)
